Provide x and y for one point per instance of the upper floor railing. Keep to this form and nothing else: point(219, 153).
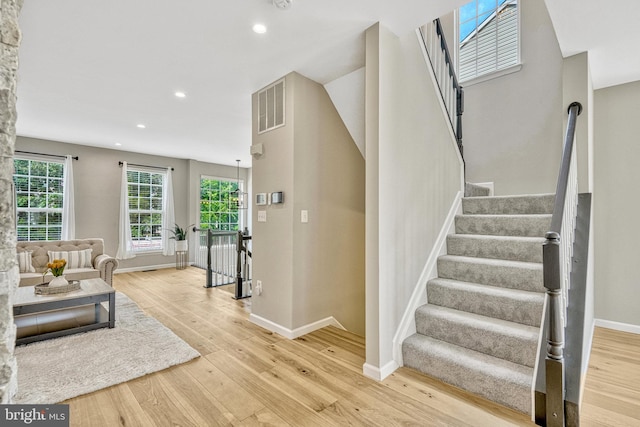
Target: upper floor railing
point(226, 257)
point(445, 72)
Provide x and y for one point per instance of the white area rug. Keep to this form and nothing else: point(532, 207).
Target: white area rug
point(59, 369)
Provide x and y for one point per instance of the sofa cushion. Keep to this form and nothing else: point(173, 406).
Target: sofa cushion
point(24, 262)
point(75, 259)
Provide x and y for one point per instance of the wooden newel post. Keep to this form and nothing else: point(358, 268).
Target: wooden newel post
point(554, 362)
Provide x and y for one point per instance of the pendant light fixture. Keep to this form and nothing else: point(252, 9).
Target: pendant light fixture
point(238, 198)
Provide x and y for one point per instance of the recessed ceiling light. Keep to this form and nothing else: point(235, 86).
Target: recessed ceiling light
point(141, 126)
point(181, 95)
point(118, 144)
point(259, 28)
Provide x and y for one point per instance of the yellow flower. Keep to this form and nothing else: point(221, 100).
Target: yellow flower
point(56, 267)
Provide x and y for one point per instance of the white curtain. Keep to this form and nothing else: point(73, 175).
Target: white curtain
point(125, 246)
point(168, 216)
point(68, 209)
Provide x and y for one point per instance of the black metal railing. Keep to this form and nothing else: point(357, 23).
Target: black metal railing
point(557, 263)
point(445, 73)
point(243, 266)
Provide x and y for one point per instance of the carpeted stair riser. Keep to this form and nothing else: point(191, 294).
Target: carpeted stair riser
point(499, 338)
point(526, 276)
point(507, 304)
point(498, 380)
point(514, 248)
point(509, 205)
point(474, 190)
point(504, 225)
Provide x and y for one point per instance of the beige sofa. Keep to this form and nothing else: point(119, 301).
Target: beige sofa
point(102, 265)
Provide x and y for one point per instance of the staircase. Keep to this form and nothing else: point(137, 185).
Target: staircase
point(479, 330)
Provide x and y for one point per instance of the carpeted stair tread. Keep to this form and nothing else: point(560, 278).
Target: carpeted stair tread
point(501, 303)
point(504, 225)
point(498, 380)
point(514, 248)
point(522, 204)
point(499, 338)
point(526, 276)
point(480, 328)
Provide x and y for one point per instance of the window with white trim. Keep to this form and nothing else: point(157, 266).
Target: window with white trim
point(145, 190)
point(218, 209)
point(488, 37)
point(39, 196)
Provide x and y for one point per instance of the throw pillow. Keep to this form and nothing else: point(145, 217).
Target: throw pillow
point(24, 262)
point(75, 259)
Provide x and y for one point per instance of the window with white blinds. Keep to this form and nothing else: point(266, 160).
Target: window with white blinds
point(488, 31)
point(39, 195)
point(271, 107)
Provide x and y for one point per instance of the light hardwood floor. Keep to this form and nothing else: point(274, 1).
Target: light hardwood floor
point(248, 376)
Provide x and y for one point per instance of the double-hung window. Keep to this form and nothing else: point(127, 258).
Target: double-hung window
point(39, 196)
point(218, 211)
point(145, 193)
point(488, 37)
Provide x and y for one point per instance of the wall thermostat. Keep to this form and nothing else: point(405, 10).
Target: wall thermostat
point(277, 197)
point(261, 199)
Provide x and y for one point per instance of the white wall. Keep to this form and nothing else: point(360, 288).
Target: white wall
point(616, 204)
point(413, 160)
point(347, 95)
point(512, 125)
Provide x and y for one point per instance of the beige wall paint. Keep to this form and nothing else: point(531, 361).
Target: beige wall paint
point(97, 191)
point(512, 125)
point(328, 267)
point(314, 270)
point(417, 174)
point(372, 194)
point(577, 87)
point(615, 203)
point(273, 240)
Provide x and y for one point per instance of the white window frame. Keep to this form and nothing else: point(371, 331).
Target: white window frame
point(30, 211)
point(496, 73)
point(153, 244)
point(217, 178)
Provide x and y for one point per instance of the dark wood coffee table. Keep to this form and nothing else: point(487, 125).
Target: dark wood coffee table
point(42, 317)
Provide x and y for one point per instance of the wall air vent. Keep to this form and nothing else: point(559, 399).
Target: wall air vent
point(271, 107)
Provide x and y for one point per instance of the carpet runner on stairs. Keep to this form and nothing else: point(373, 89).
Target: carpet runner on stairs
point(479, 330)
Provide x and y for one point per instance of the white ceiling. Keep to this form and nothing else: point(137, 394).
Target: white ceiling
point(608, 30)
point(91, 70)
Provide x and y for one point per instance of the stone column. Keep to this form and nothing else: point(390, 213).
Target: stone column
point(9, 276)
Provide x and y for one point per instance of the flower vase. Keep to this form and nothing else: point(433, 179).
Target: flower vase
point(58, 281)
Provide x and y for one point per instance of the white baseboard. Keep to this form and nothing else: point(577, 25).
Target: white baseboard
point(145, 268)
point(618, 326)
point(379, 374)
point(407, 325)
point(294, 333)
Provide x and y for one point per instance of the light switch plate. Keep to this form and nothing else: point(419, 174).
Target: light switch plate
point(304, 216)
point(262, 216)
